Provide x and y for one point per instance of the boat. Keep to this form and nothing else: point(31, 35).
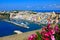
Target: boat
point(21, 25)
point(24, 25)
point(17, 32)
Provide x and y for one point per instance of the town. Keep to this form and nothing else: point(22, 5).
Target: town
point(38, 17)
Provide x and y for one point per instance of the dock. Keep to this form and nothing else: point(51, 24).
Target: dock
point(20, 25)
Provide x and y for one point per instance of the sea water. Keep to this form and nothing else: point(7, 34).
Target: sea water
point(7, 28)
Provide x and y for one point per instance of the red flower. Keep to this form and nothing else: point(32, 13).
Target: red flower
point(48, 26)
point(47, 39)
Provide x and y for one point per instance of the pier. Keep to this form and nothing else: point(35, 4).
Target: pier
point(20, 25)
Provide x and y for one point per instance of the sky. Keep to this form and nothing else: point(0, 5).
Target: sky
point(29, 4)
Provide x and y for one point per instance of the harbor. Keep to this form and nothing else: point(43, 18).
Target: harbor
point(19, 26)
point(22, 36)
point(9, 28)
point(29, 19)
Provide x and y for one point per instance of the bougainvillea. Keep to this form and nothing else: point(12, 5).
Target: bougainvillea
point(47, 33)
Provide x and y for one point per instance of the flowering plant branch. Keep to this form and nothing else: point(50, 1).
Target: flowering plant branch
point(47, 33)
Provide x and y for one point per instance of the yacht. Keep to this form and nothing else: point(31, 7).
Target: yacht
point(24, 25)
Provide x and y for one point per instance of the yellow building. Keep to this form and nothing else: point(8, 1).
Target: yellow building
point(53, 14)
point(38, 18)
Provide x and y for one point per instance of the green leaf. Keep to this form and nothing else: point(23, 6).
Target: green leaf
point(57, 36)
point(39, 36)
point(59, 25)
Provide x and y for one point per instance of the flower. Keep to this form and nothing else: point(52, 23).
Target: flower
point(48, 26)
point(56, 28)
point(44, 28)
point(47, 38)
point(47, 33)
point(52, 31)
point(32, 37)
point(52, 37)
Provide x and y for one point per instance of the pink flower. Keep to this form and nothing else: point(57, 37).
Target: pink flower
point(45, 38)
point(48, 26)
point(32, 37)
point(43, 33)
point(47, 34)
point(52, 31)
point(52, 37)
point(56, 28)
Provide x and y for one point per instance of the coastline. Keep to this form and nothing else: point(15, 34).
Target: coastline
point(22, 36)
